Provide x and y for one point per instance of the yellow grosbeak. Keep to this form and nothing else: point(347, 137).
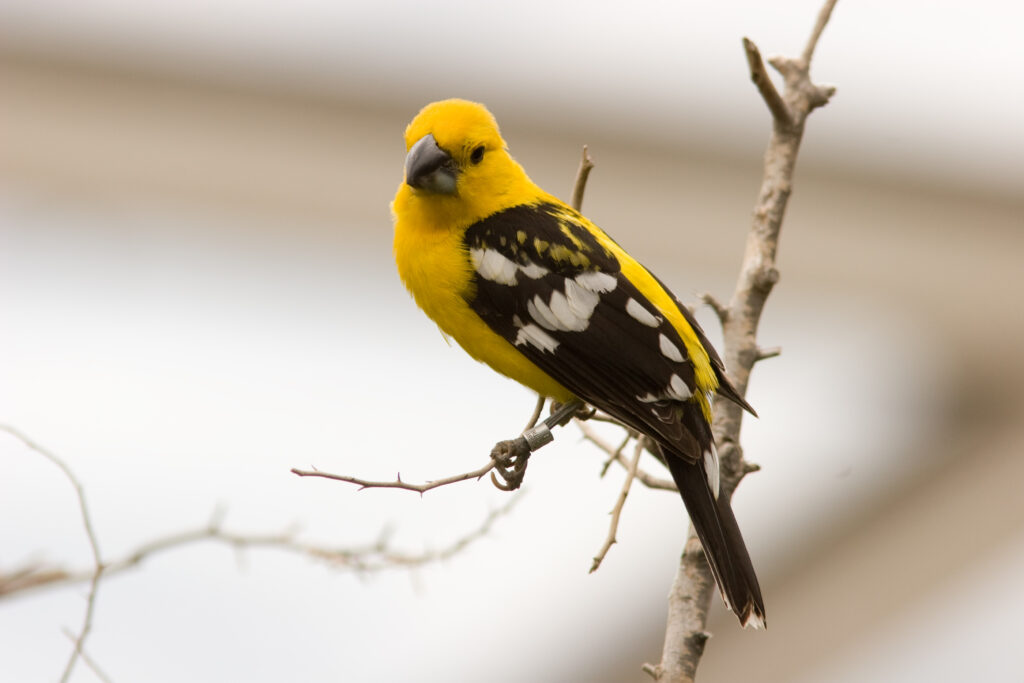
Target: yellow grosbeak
point(530, 287)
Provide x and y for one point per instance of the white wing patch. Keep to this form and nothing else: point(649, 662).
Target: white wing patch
point(532, 270)
point(675, 391)
point(534, 336)
point(596, 281)
point(641, 314)
point(582, 301)
point(571, 316)
point(677, 388)
point(540, 312)
point(668, 349)
point(571, 311)
point(711, 469)
point(494, 266)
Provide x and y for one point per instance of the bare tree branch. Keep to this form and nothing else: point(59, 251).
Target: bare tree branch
point(30, 578)
point(97, 569)
point(694, 585)
point(613, 526)
point(368, 558)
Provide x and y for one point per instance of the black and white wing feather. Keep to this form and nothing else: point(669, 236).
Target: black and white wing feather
point(545, 284)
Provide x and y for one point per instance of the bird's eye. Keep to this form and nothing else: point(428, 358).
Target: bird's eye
point(478, 155)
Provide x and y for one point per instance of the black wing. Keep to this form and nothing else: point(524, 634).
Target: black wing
point(544, 283)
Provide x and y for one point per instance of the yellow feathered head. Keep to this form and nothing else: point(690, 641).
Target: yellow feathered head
point(457, 164)
point(457, 125)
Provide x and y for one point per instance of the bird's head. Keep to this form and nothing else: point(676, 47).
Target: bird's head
point(456, 154)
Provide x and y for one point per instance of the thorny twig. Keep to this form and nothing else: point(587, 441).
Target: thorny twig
point(508, 458)
point(397, 483)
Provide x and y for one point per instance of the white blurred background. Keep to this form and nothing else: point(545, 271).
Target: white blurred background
point(197, 294)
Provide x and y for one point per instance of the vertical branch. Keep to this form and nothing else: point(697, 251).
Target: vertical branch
point(694, 585)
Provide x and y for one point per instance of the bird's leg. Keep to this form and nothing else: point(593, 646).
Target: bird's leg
point(511, 456)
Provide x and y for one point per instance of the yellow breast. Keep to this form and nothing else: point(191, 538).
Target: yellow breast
point(434, 264)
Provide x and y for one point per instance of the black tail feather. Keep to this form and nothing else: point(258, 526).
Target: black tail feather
point(719, 534)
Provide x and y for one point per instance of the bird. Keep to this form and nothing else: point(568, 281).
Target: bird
point(529, 286)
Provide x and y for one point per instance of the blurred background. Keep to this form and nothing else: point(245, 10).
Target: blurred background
point(197, 294)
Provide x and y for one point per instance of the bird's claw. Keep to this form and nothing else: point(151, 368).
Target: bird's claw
point(510, 459)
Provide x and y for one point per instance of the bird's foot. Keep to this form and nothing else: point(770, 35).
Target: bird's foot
point(510, 459)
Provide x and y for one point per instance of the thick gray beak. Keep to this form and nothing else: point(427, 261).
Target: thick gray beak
point(430, 168)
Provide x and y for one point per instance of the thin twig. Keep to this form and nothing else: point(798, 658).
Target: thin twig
point(613, 526)
point(398, 483)
point(590, 435)
point(89, 661)
point(823, 16)
point(645, 478)
point(614, 455)
point(508, 460)
point(97, 570)
point(759, 75)
point(586, 164)
point(537, 410)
